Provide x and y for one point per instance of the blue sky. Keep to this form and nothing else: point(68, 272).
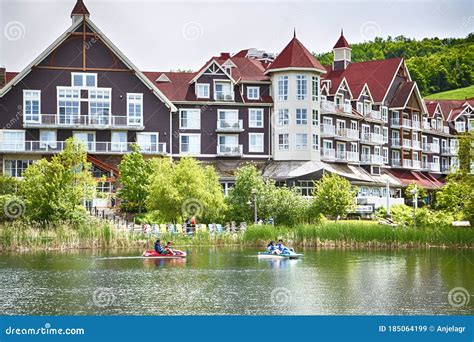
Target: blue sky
point(166, 35)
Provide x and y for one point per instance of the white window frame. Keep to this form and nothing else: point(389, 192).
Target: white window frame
point(75, 97)
point(135, 101)
point(149, 145)
point(301, 146)
point(118, 145)
point(28, 161)
point(301, 87)
point(302, 121)
point(190, 152)
point(195, 122)
point(200, 86)
point(314, 88)
point(315, 118)
point(315, 142)
point(285, 146)
point(15, 145)
point(84, 79)
point(48, 143)
point(282, 88)
point(252, 89)
point(384, 111)
point(31, 95)
point(101, 118)
point(385, 134)
point(283, 117)
point(256, 148)
point(256, 123)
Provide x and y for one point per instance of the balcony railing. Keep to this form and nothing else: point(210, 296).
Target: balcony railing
point(348, 133)
point(223, 96)
point(328, 130)
point(328, 153)
point(230, 150)
point(372, 138)
point(371, 159)
point(406, 143)
point(396, 143)
point(416, 144)
point(446, 168)
point(430, 148)
point(411, 164)
point(396, 162)
point(353, 156)
point(416, 125)
point(434, 167)
point(374, 114)
point(449, 150)
point(328, 107)
point(230, 125)
point(84, 121)
point(92, 147)
point(347, 108)
point(405, 123)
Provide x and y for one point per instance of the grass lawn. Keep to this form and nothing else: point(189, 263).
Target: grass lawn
point(456, 94)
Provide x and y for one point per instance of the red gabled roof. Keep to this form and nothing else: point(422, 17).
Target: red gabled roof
point(377, 74)
point(295, 55)
point(178, 87)
point(342, 42)
point(451, 109)
point(402, 94)
point(79, 9)
point(431, 107)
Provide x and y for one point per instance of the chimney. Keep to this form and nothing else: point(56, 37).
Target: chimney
point(225, 55)
point(3, 77)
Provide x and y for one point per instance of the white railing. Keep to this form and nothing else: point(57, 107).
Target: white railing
point(328, 106)
point(341, 155)
point(55, 120)
point(223, 96)
point(353, 156)
point(328, 129)
point(396, 142)
point(95, 147)
point(395, 122)
point(406, 123)
point(406, 143)
point(230, 125)
point(416, 164)
point(230, 150)
point(348, 133)
point(374, 114)
point(430, 147)
point(435, 167)
point(373, 138)
point(416, 125)
point(426, 125)
point(416, 144)
point(449, 150)
point(445, 168)
point(396, 162)
point(347, 108)
point(407, 163)
point(371, 158)
point(329, 153)
point(446, 129)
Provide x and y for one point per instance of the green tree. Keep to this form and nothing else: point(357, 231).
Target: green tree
point(333, 196)
point(54, 190)
point(184, 189)
point(134, 179)
point(8, 185)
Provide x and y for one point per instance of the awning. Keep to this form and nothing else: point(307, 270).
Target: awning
point(422, 179)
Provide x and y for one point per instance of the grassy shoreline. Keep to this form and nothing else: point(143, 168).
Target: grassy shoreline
point(18, 236)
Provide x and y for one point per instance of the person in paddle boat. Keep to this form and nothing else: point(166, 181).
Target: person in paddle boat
point(158, 248)
point(271, 247)
point(282, 248)
point(167, 249)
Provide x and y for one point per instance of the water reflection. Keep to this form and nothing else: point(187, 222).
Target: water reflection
point(234, 281)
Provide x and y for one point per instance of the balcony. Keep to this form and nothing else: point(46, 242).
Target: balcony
point(328, 107)
point(449, 150)
point(230, 150)
point(371, 159)
point(226, 96)
point(347, 108)
point(85, 121)
point(347, 134)
point(404, 123)
point(328, 153)
point(374, 114)
point(396, 143)
point(411, 164)
point(230, 126)
point(434, 167)
point(96, 147)
point(430, 148)
point(445, 168)
point(371, 138)
point(352, 156)
point(328, 130)
point(416, 145)
point(416, 125)
point(407, 143)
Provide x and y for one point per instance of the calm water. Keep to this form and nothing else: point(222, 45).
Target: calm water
point(233, 281)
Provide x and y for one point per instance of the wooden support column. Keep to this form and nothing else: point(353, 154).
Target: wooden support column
point(84, 43)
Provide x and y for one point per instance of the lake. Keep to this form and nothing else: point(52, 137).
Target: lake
point(233, 281)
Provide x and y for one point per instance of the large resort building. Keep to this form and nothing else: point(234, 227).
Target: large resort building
point(288, 114)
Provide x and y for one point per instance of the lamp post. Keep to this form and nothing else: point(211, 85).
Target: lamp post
point(254, 193)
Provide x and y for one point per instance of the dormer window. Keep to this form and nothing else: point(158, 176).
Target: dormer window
point(223, 91)
point(202, 90)
point(83, 80)
point(253, 93)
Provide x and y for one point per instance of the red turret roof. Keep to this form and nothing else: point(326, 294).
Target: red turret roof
point(342, 42)
point(79, 9)
point(295, 55)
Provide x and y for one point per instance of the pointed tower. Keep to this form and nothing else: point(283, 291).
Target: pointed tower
point(295, 75)
point(79, 11)
point(342, 53)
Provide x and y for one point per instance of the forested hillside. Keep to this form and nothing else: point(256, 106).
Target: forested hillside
point(435, 64)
